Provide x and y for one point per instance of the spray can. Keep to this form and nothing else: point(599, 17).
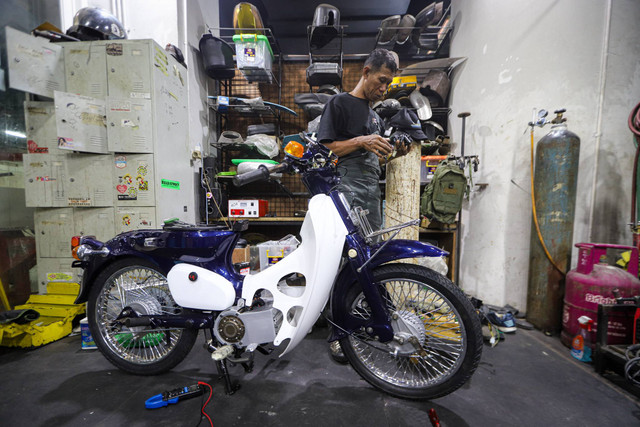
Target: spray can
point(581, 344)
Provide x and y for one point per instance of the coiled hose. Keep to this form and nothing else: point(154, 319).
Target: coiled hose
point(634, 126)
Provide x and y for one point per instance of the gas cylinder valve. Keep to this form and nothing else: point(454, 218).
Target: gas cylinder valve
point(558, 118)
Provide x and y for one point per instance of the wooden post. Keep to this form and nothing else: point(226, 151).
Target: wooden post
point(403, 192)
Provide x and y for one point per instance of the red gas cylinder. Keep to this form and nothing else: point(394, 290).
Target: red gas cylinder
point(592, 283)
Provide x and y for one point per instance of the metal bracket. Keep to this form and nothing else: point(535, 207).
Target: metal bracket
point(395, 228)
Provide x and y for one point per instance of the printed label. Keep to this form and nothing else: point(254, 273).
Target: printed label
point(120, 106)
point(59, 277)
point(599, 299)
point(78, 202)
point(114, 49)
point(140, 95)
point(121, 162)
point(166, 183)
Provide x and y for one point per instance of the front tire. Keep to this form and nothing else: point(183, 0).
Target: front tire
point(438, 336)
point(139, 350)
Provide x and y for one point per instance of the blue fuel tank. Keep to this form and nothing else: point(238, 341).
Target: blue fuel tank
point(555, 182)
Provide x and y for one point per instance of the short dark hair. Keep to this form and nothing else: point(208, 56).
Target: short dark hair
point(381, 58)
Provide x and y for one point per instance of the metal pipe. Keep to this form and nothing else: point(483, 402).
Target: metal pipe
point(603, 80)
point(463, 116)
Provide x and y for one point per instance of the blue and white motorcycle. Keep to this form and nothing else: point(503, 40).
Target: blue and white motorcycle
point(404, 328)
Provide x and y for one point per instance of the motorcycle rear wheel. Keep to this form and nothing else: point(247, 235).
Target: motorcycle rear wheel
point(439, 334)
point(139, 350)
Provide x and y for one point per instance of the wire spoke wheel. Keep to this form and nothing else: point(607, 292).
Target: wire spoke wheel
point(139, 349)
point(437, 338)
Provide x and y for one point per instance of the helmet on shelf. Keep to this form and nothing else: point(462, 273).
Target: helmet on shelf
point(93, 23)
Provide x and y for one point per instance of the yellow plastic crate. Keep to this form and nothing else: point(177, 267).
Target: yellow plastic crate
point(57, 311)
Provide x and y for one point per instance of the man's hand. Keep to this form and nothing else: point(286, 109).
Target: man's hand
point(376, 144)
point(402, 143)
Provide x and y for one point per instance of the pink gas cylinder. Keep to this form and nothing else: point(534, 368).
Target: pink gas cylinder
point(592, 283)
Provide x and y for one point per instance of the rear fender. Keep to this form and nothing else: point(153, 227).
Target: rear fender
point(391, 251)
point(94, 267)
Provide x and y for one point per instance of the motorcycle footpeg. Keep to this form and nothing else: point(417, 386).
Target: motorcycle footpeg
point(222, 353)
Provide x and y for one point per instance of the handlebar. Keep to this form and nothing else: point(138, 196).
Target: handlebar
point(262, 172)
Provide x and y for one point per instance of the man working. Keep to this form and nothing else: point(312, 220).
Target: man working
point(353, 131)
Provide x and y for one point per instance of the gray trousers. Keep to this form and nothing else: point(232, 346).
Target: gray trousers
point(361, 187)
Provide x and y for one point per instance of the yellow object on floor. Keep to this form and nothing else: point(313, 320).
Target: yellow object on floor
point(57, 311)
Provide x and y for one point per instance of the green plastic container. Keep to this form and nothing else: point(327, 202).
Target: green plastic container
point(254, 56)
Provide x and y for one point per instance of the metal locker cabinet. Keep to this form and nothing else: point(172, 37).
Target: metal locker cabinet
point(35, 65)
point(93, 222)
point(141, 73)
point(89, 180)
point(85, 68)
point(172, 153)
point(80, 123)
point(54, 229)
point(134, 218)
point(56, 270)
point(129, 125)
point(134, 182)
point(128, 69)
point(44, 177)
point(40, 123)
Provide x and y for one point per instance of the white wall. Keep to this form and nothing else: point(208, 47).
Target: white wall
point(544, 54)
point(200, 15)
point(142, 19)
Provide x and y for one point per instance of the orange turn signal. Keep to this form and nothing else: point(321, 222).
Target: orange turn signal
point(295, 149)
point(74, 252)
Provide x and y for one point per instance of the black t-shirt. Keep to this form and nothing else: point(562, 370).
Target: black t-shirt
point(345, 117)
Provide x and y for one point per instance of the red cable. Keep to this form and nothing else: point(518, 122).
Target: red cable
point(207, 402)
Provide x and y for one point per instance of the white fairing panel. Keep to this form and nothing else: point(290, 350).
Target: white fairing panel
point(209, 291)
point(317, 258)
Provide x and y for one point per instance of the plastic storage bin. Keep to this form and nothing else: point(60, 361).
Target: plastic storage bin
point(254, 57)
point(273, 251)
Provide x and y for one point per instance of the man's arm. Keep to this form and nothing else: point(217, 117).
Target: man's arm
point(374, 143)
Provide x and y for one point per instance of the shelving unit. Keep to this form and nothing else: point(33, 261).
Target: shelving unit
point(407, 50)
point(332, 52)
point(446, 239)
point(237, 116)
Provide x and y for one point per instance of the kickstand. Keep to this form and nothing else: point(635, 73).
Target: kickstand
point(224, 372)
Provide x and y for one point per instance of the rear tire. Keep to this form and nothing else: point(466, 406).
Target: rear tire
point(424, 306)
point(138, 350)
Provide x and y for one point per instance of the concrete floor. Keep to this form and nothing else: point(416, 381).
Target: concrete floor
point(529, 379)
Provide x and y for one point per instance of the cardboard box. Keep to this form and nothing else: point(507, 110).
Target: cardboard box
point(241, 255)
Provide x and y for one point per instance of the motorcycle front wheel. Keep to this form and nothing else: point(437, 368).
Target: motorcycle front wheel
point(437, 341)
point(140, 350)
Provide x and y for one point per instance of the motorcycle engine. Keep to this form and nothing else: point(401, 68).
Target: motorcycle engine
point(245, 328)
point(230, 328)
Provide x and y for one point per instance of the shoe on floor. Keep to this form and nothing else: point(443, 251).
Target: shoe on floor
point(505, 322)
point(336, 352)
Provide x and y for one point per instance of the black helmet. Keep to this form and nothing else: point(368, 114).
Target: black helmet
point(93, 23)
